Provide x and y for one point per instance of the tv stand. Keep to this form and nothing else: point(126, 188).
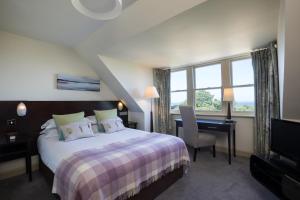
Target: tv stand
point(278, 176)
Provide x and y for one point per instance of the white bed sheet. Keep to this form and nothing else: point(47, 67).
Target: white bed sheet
point(53, 151)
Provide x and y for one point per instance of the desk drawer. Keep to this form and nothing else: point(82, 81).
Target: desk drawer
point(214, 127)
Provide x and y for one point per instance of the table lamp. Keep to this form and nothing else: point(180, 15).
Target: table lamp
point(228, 97)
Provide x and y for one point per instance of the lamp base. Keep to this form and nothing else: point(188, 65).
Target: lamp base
point(228, 120)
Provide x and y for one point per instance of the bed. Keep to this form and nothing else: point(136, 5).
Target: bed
point(58, 159)
point(40, 111)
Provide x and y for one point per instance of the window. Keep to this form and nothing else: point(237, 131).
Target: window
point(208, 84)
point(178, 89)
point(243, 85)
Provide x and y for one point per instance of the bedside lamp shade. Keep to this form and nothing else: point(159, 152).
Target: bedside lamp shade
point(151, 92)
point(120, 106)
point(228, 95)
point(21, 109)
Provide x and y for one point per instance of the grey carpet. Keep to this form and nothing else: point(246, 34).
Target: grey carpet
point(209, 179)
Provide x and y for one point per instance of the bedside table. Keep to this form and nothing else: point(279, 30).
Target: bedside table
point(132, 125)
point(19, 148)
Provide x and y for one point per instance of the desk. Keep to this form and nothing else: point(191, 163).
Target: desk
point(216, 125)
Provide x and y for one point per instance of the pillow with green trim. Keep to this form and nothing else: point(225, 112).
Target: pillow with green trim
point(62, 120)
point(104, 115)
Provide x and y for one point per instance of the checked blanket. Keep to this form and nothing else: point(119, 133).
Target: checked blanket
point(119, 170)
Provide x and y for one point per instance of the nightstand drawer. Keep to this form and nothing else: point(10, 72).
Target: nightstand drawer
point(13, 147)
point(12, 155)
point(213, 127)
point(132, 125)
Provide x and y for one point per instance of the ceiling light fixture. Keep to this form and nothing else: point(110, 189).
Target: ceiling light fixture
point(112, 14)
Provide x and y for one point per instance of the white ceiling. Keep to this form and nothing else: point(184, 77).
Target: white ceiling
point(214, 29)
point(52, 20)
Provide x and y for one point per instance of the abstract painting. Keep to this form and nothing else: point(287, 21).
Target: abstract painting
point(69, 82)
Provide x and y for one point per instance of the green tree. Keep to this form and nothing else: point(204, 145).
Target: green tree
point(206, 101)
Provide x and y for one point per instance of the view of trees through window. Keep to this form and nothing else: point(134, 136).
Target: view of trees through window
point(207, 86)
point(208, 90)
point(206, 101)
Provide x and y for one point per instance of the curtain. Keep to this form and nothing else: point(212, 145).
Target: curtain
point(161, 80)
point(267, 104)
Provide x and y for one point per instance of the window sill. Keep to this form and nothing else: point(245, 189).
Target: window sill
point(220, 114)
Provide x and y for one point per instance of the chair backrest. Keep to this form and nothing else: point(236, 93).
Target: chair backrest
point(190, 128)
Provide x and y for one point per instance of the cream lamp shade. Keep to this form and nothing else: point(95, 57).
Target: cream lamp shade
point(228, 95)
point(120, 106)
point(151, 92)
point(21, 109)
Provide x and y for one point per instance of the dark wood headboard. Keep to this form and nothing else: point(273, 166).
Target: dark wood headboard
point(38, 112)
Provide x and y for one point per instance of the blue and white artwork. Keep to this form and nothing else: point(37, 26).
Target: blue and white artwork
point(69, 82)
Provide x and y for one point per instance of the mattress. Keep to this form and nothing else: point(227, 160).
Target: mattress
point(52, 151)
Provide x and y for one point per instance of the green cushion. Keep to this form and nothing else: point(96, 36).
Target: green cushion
point(62, 120)
point(103, 115)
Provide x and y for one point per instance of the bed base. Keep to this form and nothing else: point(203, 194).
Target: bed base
point(148, 193)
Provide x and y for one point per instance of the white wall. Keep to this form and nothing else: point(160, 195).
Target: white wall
point(134, 80)
point(288, 51)
point(244, 134)
point(28, 70)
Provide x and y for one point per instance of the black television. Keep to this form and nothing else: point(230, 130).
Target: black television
point(285, 139)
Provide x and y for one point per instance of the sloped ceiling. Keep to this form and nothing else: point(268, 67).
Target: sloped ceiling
point(214, 29)
point(52, 20)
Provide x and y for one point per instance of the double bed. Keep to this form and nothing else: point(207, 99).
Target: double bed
point(118, 165)
point(127, 164)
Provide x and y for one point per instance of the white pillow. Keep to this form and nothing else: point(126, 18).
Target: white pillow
point(92, 119)
point(113, 125)
point(51, 123)
point(95, 128)
point(77, 130)
point(50, 132)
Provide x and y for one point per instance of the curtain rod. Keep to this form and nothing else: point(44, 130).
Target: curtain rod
point(264, 48)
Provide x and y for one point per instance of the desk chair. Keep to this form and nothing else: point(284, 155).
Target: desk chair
point(191, 135)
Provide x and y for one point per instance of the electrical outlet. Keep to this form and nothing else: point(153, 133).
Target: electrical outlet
point(11, 122)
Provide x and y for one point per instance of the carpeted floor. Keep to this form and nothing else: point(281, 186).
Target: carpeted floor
point(209, 179)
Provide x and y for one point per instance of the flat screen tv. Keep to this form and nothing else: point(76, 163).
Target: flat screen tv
point(285, 139)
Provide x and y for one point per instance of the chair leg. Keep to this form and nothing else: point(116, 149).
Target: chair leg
point(214, 151)
point(195, 154)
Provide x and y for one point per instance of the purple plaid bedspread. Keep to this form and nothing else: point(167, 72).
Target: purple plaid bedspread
point(119, 170)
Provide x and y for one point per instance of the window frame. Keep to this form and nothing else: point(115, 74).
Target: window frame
point(226, 80)
point(251, 113)
point(207, 88)
point(174, 91)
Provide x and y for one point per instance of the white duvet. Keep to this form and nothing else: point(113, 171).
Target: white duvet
point(53, 151)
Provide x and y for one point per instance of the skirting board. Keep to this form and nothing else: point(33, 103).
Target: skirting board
point(16, 167)
point(238, 153)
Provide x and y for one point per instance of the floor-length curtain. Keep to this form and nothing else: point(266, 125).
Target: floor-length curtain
point(161, 79)
point(267, 106)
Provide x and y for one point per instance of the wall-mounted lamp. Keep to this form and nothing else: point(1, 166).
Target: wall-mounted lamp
point(21, 109)
point(120, 106)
